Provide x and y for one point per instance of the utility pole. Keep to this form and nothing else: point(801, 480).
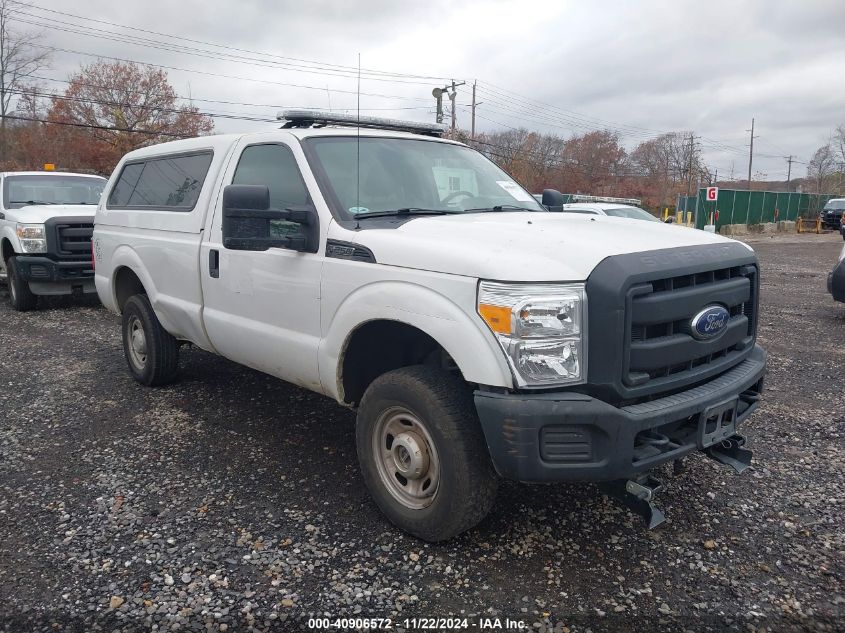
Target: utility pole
point(715, 177)
point(452, 96)
point(472, 134)
point(789, 171)
point(750, 153)
point(689, 170)
point(697, 196)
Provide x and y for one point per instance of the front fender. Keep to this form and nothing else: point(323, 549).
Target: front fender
point(8, 234)
point(463, 335)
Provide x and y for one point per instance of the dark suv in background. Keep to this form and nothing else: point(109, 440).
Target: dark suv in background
point(832, 213)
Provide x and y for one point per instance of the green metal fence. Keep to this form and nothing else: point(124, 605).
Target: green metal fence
point(737, 206)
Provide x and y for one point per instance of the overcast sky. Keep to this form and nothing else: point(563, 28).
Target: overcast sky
point(641, 68)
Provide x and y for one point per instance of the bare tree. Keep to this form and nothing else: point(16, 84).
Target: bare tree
point(839, 139)
point(821, 167)
point(20, 58)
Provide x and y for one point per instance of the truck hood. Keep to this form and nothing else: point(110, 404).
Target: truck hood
point(520, 246)
point(40, 213)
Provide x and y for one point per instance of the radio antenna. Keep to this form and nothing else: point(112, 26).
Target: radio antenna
point(358, 149)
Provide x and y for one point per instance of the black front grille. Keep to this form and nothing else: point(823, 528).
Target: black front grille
point(73, 240)
point(660, 347)
point(640, 308)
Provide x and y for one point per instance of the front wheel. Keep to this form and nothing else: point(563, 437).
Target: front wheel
point(20, 296)
point(152, 353)
point(422, 452)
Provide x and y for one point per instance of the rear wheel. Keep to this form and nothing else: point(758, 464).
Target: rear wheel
point(20, 296)
point(423, 454)
point(151, 352)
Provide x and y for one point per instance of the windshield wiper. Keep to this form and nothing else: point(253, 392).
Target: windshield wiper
point(498, 208)
point(403, 211)
point(30, 202)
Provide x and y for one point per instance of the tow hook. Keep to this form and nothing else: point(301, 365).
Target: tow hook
point(637, 495)
point(730, 452)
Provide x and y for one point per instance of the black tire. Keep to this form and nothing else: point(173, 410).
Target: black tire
point(155, 359)
point(20, 296)
point(467, 482)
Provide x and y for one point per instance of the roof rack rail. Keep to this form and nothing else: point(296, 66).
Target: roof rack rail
point(314, 118)
point(577, 197)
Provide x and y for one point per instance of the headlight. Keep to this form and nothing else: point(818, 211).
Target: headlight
point(32, 237)
point(541, 329)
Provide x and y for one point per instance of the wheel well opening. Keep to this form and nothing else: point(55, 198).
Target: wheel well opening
point(7, 250)
point(381, 346)
point(126, 284)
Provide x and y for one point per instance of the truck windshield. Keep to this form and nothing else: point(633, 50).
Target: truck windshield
point(630, 212)
point(19, 191)
point(400, 175)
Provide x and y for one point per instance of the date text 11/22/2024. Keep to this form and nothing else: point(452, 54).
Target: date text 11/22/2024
point(417, 624)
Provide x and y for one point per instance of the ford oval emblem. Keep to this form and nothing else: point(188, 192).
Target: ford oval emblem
point(710, 322)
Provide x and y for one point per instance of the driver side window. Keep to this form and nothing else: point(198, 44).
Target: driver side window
point(275, 167)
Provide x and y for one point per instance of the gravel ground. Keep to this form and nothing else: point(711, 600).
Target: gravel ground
point(232, 501)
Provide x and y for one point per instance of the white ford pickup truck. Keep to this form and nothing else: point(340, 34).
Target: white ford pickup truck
point(477, 335)
point(46, 222)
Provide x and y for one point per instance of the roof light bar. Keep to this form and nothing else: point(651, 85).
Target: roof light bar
point(314, 118)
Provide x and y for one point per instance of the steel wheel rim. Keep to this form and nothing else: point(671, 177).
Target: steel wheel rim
point(136, 342)
point(406, 458)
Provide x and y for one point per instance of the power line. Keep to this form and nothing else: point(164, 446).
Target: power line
point(316, 64)
point(572, 120)
point(222, 76)
point(139, 106)
point(174, 48)
point(220, 101)
point(509, 101)
point(583, 122)
point(574, 116)
point(95, 127)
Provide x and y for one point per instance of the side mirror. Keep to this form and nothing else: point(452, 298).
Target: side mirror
point(553, 198)
point(670, 219)
point(249, 224)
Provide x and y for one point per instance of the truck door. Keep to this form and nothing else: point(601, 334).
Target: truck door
point(262, 309)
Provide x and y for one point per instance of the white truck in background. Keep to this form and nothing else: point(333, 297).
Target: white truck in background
point(46, 223)
point(406, 276)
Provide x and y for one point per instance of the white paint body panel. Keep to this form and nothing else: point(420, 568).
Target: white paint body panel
point(264, 309)
point(521, 246)
point(291, 314)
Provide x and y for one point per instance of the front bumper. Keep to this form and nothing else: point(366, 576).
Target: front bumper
point(836, 282)
point(53, 276)
point(571, 436)
point(831, 221)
